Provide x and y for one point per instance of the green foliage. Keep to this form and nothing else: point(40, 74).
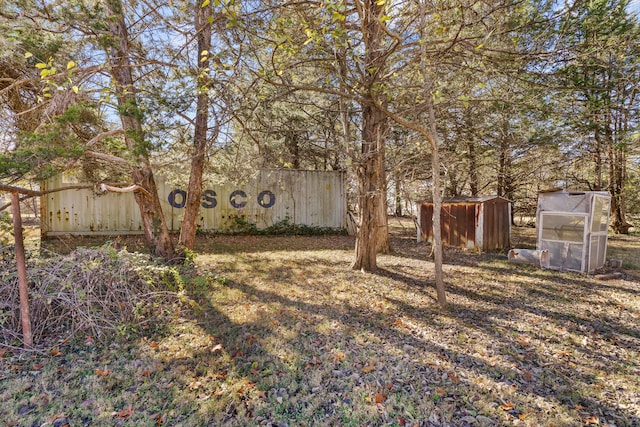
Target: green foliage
point(238, 224)
point(6, 228)
point(286, 228)
point(40, 154)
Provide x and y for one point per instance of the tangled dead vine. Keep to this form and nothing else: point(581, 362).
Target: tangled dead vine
point(93, 292)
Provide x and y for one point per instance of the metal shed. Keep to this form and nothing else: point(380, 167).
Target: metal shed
point(312, 198)
point(572, 226)
point(469, 222)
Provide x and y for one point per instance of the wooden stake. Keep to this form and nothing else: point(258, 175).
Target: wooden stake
point(22, 271)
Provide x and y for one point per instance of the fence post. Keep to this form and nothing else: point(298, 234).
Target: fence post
point(22, 271)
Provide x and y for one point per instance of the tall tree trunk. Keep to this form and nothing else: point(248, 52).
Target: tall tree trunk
point(617, 178)
point(383, 241)
point(373, 235)
point(370, 195)
point(597, 159)
point(471, 155)
point(154, 224)
point(198, 161)
point(292, 140)
point(505, 178)
point(398, 191)
point(438, 253)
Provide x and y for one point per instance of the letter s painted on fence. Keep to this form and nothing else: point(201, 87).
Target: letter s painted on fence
point(209, 199)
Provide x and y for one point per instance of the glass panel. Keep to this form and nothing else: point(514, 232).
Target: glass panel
point(604, 219)
point(600, 214)
point(564, 256)
point(565, 227)
point(593, 255)
point(602, 251)
point(597, 214)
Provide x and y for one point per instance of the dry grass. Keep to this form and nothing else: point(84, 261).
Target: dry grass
point(94, 292)
point(281, 332)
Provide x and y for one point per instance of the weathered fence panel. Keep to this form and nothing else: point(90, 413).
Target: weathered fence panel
point(312, 198)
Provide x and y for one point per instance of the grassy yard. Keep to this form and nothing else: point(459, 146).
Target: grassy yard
point(278, 331)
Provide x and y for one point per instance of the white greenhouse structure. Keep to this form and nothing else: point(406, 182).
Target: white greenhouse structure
point(572, 227)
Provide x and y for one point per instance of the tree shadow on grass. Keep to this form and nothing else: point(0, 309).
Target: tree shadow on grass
point(503, 308)
point(309, 357)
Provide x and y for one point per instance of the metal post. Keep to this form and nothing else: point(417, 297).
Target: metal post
point(22, 271)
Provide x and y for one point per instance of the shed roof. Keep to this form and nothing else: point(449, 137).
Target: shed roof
point(552, 191)
point(465, 199)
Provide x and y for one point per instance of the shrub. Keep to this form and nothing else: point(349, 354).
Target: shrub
point(96, 292)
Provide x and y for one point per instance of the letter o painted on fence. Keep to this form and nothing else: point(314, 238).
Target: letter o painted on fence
point(175, 203)
point(267, 204)
point(235, 203)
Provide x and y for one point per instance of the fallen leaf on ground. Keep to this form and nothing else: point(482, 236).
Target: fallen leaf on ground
point(55, 352)
point(592, 420)
point(368, 369)
point(3, 351)
point(338, 357)
point(160, 419)
point(61, 422)
point(507, 406)
point(102, 372)
point(314, 362)
point(379, 397)
point(57, 417)
point(194, 385)
point(125, 413)
point(246, 386)
point(25, 409)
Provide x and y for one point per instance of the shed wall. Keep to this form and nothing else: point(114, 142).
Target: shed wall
point(313, 198)
point(496, 224)
point(478, 224)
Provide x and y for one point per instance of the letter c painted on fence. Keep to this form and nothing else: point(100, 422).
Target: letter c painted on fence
point(266, 204)
point(233, 199)
point(175, 203)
